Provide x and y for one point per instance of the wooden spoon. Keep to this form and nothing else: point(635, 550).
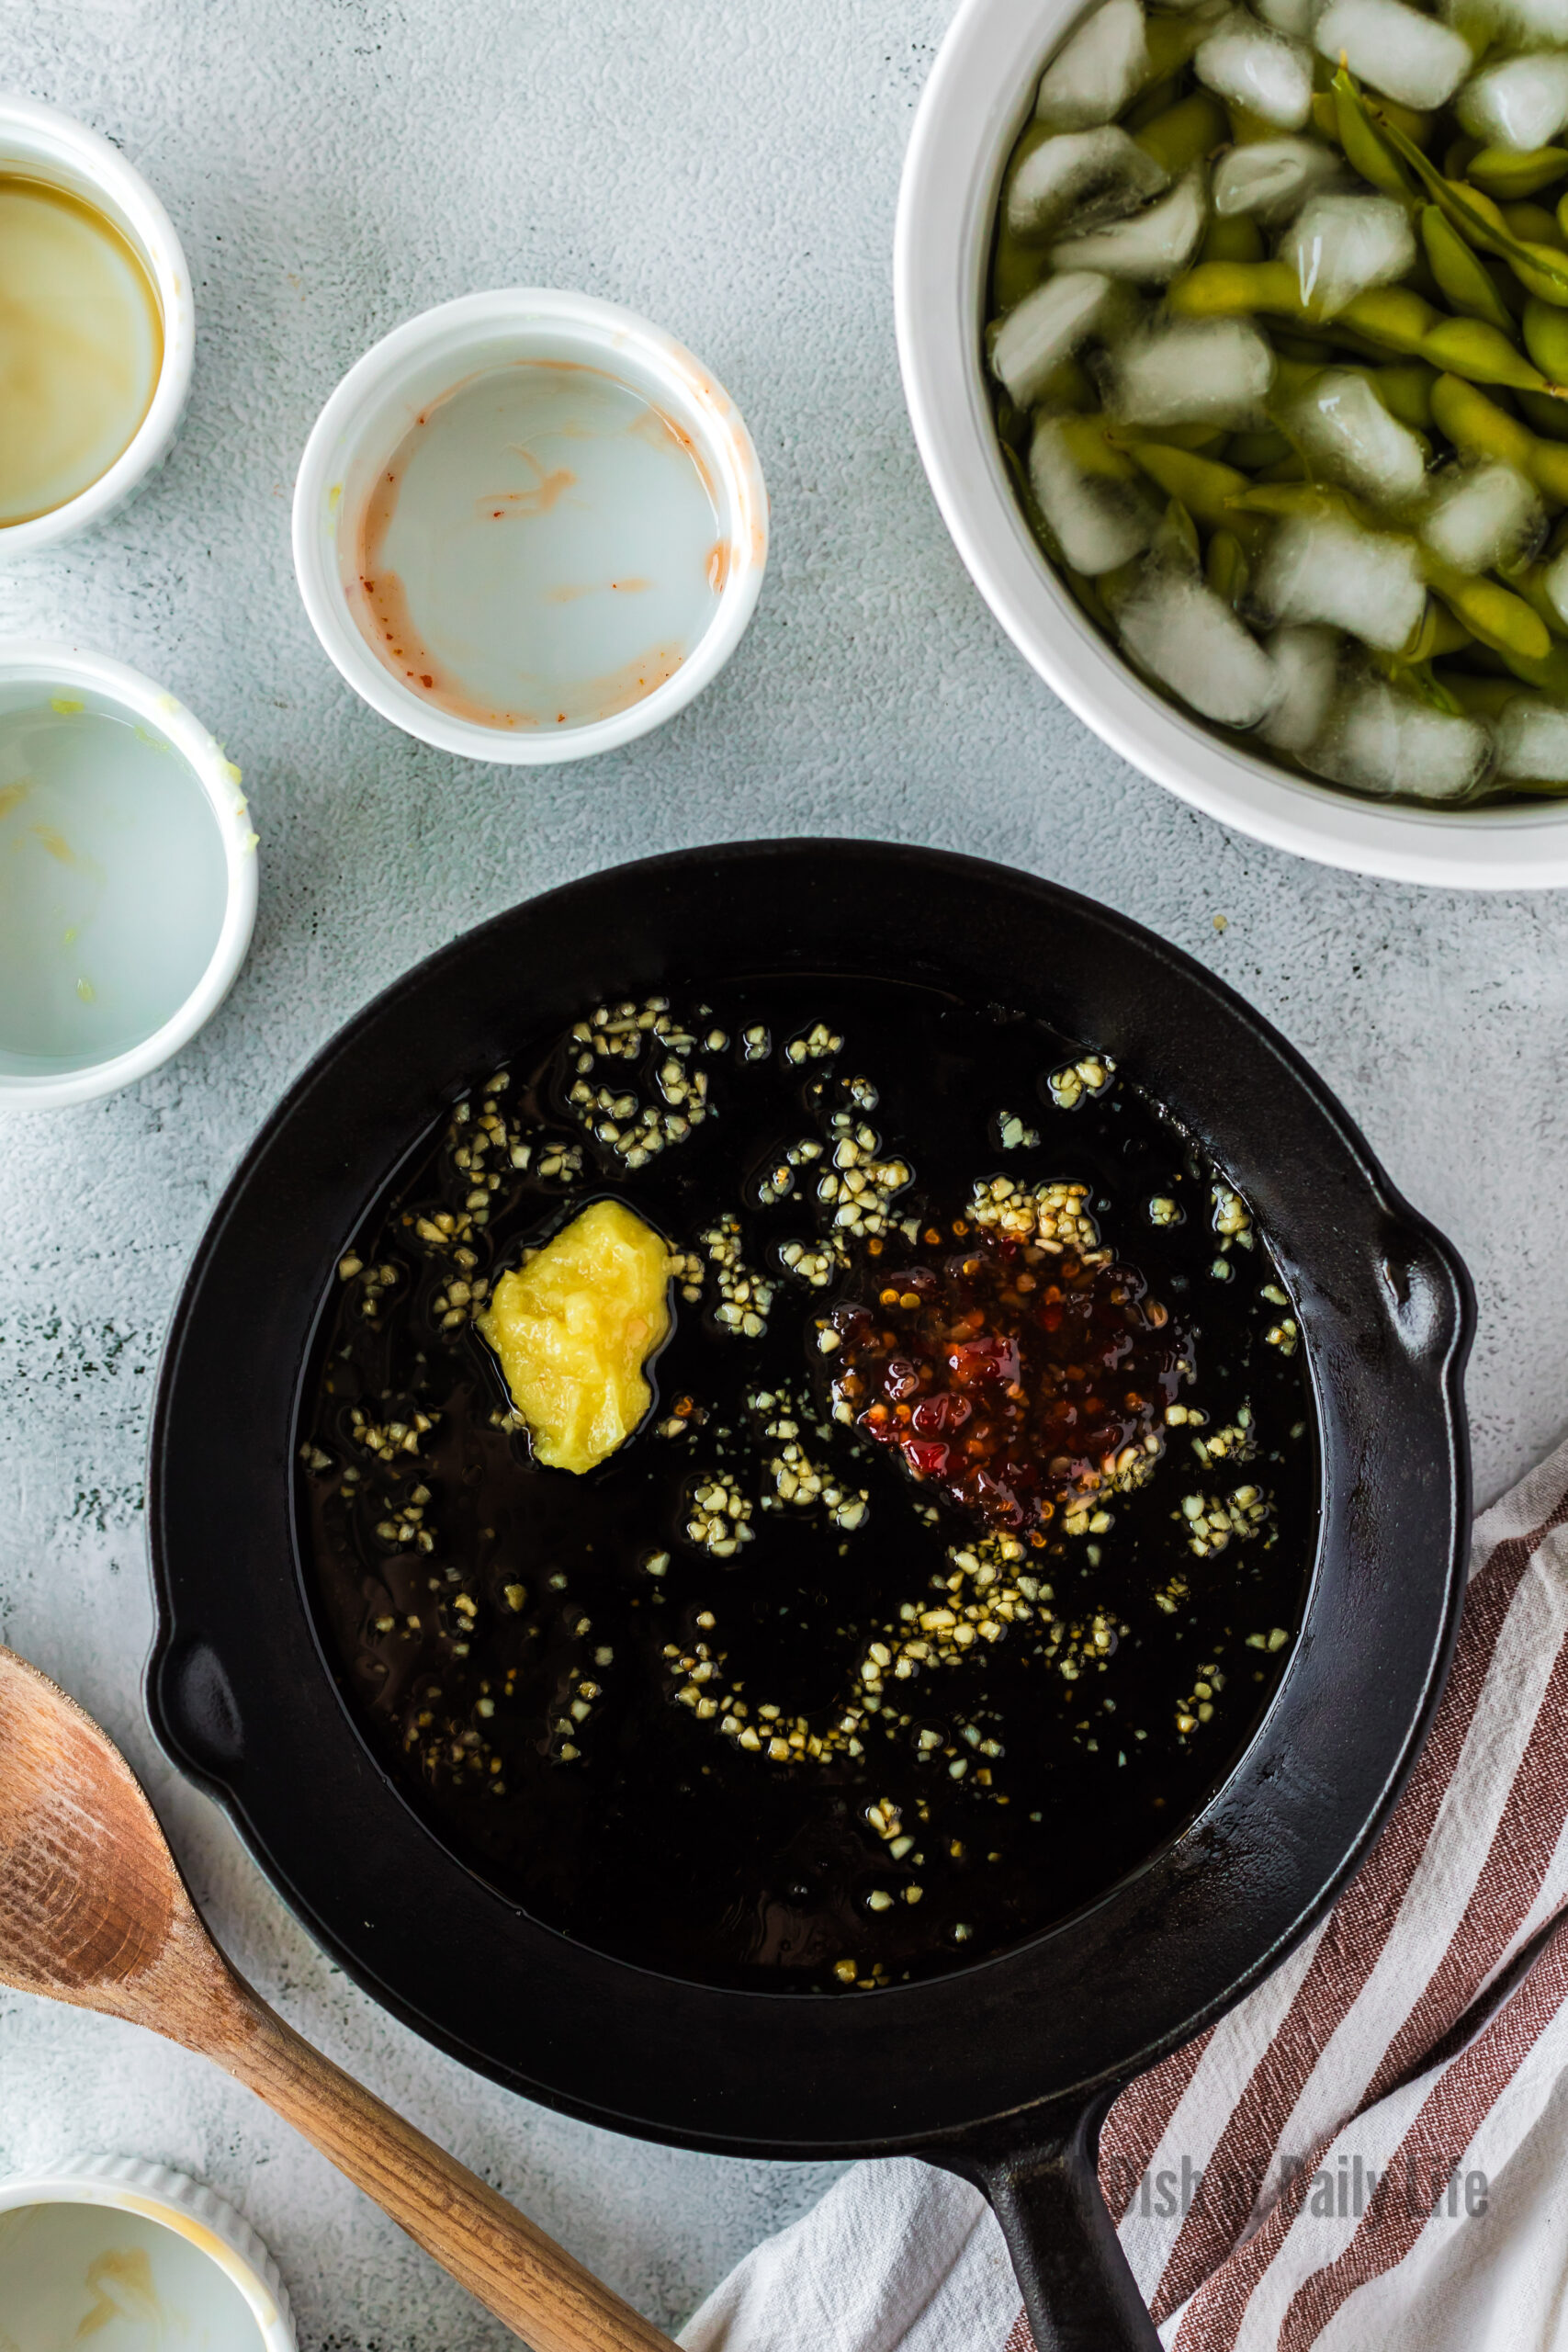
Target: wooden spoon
point(92, 1910)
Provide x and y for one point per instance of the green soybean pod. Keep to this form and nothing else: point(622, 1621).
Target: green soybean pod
point(1236, 237)
point(1490, 612)
point(1251, 450)
point(1285, 498)
point(1202, 484)
point(1225, 566)
point(1229, 290)
point(1470, 348)
point(1479, 428)
point(1405, 388)
point(1185, 133)
point(1508, 177)
point(1393, 317)
point(1461, 273)
point(1550, 674)
point(1480, 697)
point(1540, 269)
point(1436, 633)
point(1546, 416)
point(1086, 591)
point(1170, 42)
point(1546, 338)
point(1155, 98)
point(1365, 151)
point(1530, 583)
point(1533, 225)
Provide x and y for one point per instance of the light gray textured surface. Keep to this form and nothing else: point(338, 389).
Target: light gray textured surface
point(333, 167)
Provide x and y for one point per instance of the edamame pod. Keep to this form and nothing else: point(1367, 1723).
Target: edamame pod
point(1195, 126)
point(1479, 428)
point(1268, 447)
point(1155, 99)
point(1405, 388)
point(1436, 633)
point(1391, 318)
point(1546, 338)
point(1402, 321)
point(1364, 151)
point(1530, 583)
point(1225, 566)
point(1470, 348)
point(1533, 225)
point(1490, 612)
point(1231, 237)
point(1202, 484)
point(1292, 498)
point(1480, 697)
point(1176, 541)
point(1508, 177)
point(1461, 273)
point(1229, 290)
point(1540, 269)
point(1171, 40)
point(1545, 415)
point(1550, 674)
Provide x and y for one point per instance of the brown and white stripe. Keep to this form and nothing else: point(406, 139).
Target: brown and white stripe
point(1376, 2043)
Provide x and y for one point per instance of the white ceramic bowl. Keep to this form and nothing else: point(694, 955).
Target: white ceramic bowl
point(81, 2249)
point(38, 672)
point(980, 91)
point(41, 142)
point(379, 400)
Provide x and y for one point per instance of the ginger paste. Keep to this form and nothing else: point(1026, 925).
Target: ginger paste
point(574, 1328)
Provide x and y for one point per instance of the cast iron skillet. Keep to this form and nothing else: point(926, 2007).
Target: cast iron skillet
point(1002, 2072)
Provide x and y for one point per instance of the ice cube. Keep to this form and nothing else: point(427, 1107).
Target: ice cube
point(1306, 669)
point(1192, 642)
point(1384, 741)
point(1273, 177)
point(1093, 78)
point(1323, 567)
point(1522, 104)
point(1191, 371)
point(1532, 740)
point(1152, 246)
point(1099, 519)
point(1044, 328)
point(1265, 72)
point(1397, 49)
point(1094, 175)
point(1555, 582)
point(1338, 245)
point(1349, 435)
point(1481, 515)
point(1296, 18)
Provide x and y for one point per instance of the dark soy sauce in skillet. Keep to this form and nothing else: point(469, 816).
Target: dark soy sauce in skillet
point(560, 1678)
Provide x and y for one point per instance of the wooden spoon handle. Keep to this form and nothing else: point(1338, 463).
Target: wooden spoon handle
point(512, 2268)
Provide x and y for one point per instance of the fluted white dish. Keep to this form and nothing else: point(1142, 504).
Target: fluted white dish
point(95, 2272)
point(40, 142)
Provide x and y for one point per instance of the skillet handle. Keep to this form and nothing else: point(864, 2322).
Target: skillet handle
point(1077, 2289)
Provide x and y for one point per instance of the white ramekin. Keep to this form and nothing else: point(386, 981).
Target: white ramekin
point(124, 2185)
point(378, 401)
point(980, 90)
point(59, 668)
point(42, 143)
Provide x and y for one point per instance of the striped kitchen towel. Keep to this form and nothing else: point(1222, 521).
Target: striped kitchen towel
point(1371, 2152)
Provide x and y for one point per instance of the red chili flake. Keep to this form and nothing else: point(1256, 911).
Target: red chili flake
point(1023, 1353)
